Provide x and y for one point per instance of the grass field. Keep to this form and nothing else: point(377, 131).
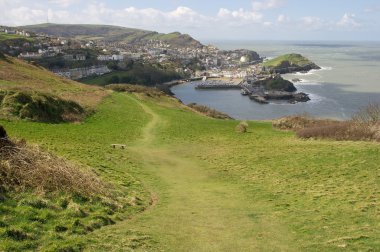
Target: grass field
point(294, 59)
point(205, 187)
point(5, 36)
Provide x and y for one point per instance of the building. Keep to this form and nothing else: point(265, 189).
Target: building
point(80, 57)
point(30, 55)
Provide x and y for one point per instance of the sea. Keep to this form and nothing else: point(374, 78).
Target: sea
point(348, 81)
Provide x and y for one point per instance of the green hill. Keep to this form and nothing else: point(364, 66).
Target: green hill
point(18, 75)
point(290, 63)
point(187, 182)
point(111, 33)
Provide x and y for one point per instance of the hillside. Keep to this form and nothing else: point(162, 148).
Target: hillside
point(18, 75)
point(111, 33)
point(179, 185)
point(290, 63)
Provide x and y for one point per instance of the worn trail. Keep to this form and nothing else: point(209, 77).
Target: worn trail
point(195, 211)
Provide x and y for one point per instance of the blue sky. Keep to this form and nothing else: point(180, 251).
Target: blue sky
point(212, 20)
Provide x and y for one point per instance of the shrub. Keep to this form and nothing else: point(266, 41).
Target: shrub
point(369, 115)
point(364, 126)
point(298, 122)
point(209, 111)
point(347, 130)
point(149, 91)
point(242, 127)
point(39, 107)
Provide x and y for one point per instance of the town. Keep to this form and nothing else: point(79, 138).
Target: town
point(153, 62)
point(77, 59)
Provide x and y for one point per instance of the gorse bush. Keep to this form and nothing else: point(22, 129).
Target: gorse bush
point(242, 127)
point(38, 107)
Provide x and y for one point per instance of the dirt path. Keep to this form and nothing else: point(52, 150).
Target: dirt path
point(195, 211)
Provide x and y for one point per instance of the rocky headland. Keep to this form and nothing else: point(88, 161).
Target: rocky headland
point(289, 63)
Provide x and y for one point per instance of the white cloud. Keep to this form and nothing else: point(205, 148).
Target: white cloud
point(226, 22)
point(63, 3)
point(312, 23)
point(240, 15)
point(348, 20)
point(372, 9)
point(265, 5)
point(283, 19)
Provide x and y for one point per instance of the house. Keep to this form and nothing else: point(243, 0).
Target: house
point(68, 57)
point(104, 57)
point(30, 55)
point(80, 57)
point(7, 31)
point(117, 57)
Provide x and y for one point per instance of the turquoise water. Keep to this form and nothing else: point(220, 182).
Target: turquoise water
point(349, 79)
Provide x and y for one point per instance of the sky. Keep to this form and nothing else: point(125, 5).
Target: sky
point(211, 20)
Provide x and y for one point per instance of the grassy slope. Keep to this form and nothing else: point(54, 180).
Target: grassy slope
point(110, 33)
point(218, 190)
point(294, 59)
point(4, 36)
point(16, 74)
point(118, 120)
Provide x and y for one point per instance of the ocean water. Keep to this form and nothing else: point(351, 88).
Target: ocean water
point(349, 79)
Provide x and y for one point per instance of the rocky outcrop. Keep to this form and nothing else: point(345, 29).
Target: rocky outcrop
point(274, 88)
point(276, 83)
point(289, 97)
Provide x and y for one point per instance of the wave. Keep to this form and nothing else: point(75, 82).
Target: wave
point(314, 98)
point(326, 68)
point(306, 82)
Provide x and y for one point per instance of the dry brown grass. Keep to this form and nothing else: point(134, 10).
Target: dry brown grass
point(348, 130)
point(24, 167)
point(209, 111)
point(19, 75)
point(365, 126)
point(298, 122)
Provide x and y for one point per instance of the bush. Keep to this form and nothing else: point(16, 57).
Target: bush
point(39, 107)
point(150, 91)
point(369, 115)
point(209, 111)
point(347, 130)
point(364, 126)
point(242, 127)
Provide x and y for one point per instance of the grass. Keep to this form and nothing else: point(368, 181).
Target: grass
point(293, 59)
point(5, 36)
point(18, 75)
point(67, 218)
point(210, 188)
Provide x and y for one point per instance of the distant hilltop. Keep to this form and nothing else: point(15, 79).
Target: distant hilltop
point(111, 33)
point(289, 63)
